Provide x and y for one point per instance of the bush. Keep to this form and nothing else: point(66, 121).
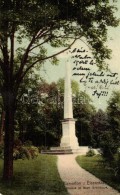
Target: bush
point(34, 151)
point(114, 167)
point(90, 153)
point(21, 151)
point(26, 151)
point(110, 153)
point(108, 146)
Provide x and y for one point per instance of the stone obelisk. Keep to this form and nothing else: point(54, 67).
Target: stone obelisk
point(69, 138)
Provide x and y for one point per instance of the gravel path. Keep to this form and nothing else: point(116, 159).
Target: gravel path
point(80, 182)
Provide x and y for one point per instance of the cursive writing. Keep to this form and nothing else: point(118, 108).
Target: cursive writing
point(98, 81)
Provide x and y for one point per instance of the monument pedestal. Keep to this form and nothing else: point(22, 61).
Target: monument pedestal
point(69, 138)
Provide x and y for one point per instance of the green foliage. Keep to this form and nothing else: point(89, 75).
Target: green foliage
point(110, 150)
point(26, 151)
point(74, 86)
point(90, 153)
point(113, 111)
point(114, 167)
point(41, 122)
point(38, 113)
point(108, 146)
point(83, 111)
point(29, 18)
point(110, 138)
point(98, 125)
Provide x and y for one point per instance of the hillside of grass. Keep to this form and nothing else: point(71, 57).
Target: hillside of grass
point(34, 177)
point(96, 166)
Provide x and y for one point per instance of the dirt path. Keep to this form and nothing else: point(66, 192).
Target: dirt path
point(80, 182)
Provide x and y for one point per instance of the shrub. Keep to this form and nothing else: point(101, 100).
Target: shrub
point(114, 166)
point(110, 152)
point(90, 153)
point(20, 151)
point(34, 151)
point(108, 146)
point(26, 151)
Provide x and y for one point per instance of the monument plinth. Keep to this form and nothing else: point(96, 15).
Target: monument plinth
point(69, 138)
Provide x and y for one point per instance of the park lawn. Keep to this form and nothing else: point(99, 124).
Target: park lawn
point(96, 166)
point(34, 177)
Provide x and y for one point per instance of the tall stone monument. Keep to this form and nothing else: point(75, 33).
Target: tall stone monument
point(69, 139)
point(69, 143)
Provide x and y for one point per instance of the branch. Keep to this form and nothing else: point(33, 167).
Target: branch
point(25, 56)
point(41, 43)
point(41, 34)
point(37, 35)
point(49, 38)
point(46, 58)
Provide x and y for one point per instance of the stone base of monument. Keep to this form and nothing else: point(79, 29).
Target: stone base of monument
point(82, 150)
point(58, 150)
point(69, 138)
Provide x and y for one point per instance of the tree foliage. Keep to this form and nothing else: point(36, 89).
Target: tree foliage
point(110, 137)
point(83, 111)
point(98, 125)
point(113, 112)
point(74, 86)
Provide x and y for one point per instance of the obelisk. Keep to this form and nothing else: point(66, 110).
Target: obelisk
point(69, 138)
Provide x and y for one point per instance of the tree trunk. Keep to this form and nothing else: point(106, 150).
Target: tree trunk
point(9, 106)
point(2, 126)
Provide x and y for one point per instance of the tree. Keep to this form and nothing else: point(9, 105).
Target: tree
point(113, 111)
point(43, 128)
point(99, 124)
point(27, 28)
point(41, 122)
point(110, 138)
point(83, 111)
point(28, 102)
point(2, 126)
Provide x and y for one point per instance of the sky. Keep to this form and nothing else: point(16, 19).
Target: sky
point(53, 73)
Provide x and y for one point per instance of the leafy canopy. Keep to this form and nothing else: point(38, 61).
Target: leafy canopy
point(28, 26)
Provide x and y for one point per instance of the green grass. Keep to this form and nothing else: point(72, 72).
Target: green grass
point(96, 166)
point(35, 177)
